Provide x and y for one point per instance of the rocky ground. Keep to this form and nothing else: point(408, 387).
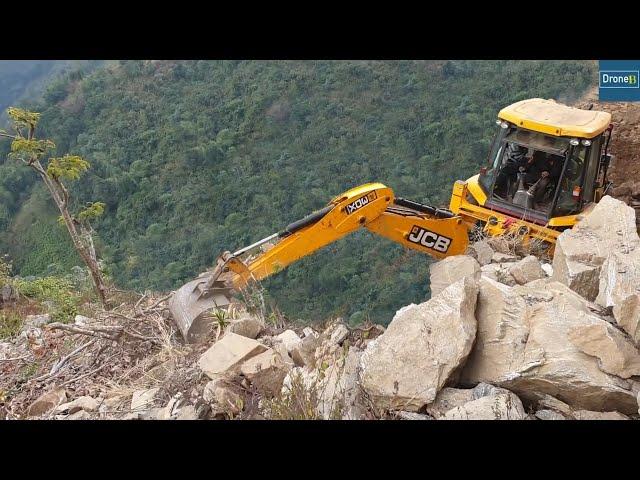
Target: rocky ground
point(504, 336)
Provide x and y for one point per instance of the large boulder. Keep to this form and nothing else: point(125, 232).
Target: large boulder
point(47, 401)
point(523, 344)
point(549, 415)
point(405, 367)
point(587, 415)
point(619, 287)
point(581, 251)
point(330, 391)
point(223, 397)
point(226, 355)
point(266, 372)
point(86, 403)
point(447, 399)
point(289, 339)
point(498, 272)
point(35, 321)
point(247, 325)
point(450, 270)
point(353, 403)
point(482, 252)
point(503, 406)
point(7, 293)
point(527, 270)
point(304, 353)
point(615, 353)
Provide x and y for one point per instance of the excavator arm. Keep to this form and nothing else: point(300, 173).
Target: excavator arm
point(373, 206)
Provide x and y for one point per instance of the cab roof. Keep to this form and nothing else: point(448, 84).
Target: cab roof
point(552, 118)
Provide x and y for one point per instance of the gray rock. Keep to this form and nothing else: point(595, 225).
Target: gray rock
point(499, 273)
point(143, 399)
point(304, 353)
point(86, 403)
point(81, 320)
point(450, 270)
point(447, 399)
point(353, 399)
point(581, 251)
point(527, 270)
point(223, 398)
point(587, 415)
point(619, 287)
point(227, 354)
point(35, 321)
point(47, 402)
point(487, 390)
point(499, 257)
point(523, 345)
point(289, 339)
point(187, 412)
point(549, 415)
point(7, 294)
point(339, 334)
point(402, 415)
point(266, 372)
point(433, 338)
point(482, 252)
point(247, 326)
point(505, 406)
point(615, 352)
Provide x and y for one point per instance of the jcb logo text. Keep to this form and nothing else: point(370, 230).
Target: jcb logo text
point(429, 239)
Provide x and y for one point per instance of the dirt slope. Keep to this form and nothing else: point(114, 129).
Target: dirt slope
point(625, 143)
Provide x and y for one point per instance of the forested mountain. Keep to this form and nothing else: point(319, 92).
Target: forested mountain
point(196, 157)
point(25, 80)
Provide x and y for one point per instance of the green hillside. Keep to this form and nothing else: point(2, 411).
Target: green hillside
point(24, 81)
point(196, 157)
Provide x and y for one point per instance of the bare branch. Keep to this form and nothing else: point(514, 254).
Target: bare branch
point(56, 367)
point(15, 359)
point(109, 332)
point(139, 302)
point(88, 374)
point(163, 299)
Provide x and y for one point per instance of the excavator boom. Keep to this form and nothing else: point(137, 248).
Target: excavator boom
point(373, 206)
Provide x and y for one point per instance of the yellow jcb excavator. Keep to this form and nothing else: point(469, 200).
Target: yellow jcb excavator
point(505, 197)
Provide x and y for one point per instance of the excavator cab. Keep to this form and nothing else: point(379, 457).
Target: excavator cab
point(547, 164)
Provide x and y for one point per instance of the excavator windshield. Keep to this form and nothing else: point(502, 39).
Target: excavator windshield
point(531, 173)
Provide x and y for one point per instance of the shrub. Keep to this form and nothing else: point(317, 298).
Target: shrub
point(55, 292)
point(5, 272)
point(10, 324)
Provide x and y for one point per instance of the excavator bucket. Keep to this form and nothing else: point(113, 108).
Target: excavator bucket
point(193, 305)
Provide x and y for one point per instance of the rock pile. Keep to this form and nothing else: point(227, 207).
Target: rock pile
point(561, 341)
point(501, 338)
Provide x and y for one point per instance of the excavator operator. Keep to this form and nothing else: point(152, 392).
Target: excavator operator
point(516, 158)
point(541, 170)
